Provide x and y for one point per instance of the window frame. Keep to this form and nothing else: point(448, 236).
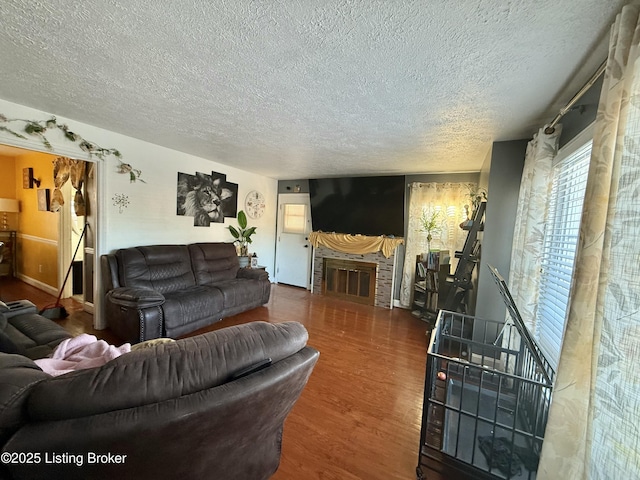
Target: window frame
point(551, 302)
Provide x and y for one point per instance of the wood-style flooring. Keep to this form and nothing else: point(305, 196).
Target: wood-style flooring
point(359, 416)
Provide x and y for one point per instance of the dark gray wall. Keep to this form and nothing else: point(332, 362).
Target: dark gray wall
point(293, 186)
point(505, 173)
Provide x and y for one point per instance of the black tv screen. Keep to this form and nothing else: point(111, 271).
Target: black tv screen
point(358, 205)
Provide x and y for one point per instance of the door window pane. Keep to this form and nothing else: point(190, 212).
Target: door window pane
point(294, 218)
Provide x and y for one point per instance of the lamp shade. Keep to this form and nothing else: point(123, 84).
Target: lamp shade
point(9, 205)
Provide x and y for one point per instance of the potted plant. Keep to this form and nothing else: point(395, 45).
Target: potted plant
point(242, 236)
point(477, 195)
point(431, 224)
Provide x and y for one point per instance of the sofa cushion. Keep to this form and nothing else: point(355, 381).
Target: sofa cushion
point(239, 292)
point(214, 262)
point(165, 371)
point(164, 268)
point(40, 329)
point(35, 332)
point(190, 305)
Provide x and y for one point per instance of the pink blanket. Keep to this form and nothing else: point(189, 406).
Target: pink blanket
point(83, 351)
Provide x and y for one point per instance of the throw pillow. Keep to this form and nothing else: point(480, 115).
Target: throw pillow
point(151, 343)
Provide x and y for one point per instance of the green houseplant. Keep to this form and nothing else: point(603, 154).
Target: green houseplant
point(242, 236)
point(431, 223)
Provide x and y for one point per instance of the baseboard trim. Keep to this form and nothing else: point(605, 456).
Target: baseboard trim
point(397, 304)
point(38, 284)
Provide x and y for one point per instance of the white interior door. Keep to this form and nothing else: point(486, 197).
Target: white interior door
point(293, 251)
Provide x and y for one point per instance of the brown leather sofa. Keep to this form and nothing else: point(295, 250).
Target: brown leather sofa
point(171, 290)
point(208, 406)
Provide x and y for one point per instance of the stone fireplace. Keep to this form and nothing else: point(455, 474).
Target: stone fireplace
point(362, 277)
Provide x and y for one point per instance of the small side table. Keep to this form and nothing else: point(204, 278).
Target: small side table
point(8, 265)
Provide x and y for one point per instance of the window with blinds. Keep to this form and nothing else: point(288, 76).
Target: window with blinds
point(559, 248)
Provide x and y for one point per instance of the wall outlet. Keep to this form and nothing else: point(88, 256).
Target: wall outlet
point(39, 268)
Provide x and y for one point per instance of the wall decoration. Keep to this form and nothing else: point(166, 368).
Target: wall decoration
point(40, 127)
point(28, 180)
point(206, 198)
point(121, 201)
point(44, 199)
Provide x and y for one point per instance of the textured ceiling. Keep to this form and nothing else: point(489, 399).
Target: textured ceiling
point(307, 88)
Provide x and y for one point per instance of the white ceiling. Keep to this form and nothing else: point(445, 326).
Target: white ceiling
point(307, 88)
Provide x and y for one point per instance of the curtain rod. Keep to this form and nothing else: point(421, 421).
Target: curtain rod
point(563, 111)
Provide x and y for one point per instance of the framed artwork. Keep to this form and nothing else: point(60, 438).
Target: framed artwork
point(44, 199)
point(208, 198)
point(27, 178)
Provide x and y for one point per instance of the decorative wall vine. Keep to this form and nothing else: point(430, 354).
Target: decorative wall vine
point(40, 127)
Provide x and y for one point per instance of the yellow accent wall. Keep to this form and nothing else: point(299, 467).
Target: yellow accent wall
point(37, 252)
point(32, 221)
point(8, 186)
point(7, 182)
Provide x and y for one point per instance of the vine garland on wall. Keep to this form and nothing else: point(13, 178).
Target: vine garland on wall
point(40, 127)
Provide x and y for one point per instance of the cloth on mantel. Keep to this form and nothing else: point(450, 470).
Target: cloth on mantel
point(77, 353)
point(355, 244)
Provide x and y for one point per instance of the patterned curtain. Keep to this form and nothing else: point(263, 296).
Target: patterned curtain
point(535, 187)
point(447, 198)
point(594, 424)
point(78, 169)
point(61, 166)
point(64, 169)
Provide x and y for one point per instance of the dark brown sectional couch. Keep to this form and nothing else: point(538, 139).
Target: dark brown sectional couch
point(170, 290)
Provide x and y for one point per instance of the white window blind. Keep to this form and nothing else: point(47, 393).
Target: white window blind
point(559, 248)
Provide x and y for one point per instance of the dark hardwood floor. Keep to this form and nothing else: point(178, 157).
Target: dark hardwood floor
point(359, 416)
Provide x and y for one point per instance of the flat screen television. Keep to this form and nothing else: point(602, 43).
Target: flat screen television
point(358, 205)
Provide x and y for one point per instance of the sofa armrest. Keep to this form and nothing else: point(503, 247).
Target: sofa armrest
point(135, 314)
point(253, 273)
point(135, 297)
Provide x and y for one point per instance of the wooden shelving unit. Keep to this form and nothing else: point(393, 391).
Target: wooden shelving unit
point(429, 284)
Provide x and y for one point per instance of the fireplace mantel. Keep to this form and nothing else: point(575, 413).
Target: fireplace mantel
point(355, 244)
point(386, 265)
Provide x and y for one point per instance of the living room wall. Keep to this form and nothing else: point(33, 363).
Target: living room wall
point(302, 185)
point(150, 214)
point(146, 213)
